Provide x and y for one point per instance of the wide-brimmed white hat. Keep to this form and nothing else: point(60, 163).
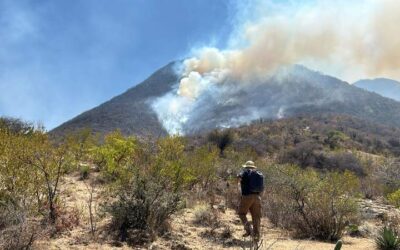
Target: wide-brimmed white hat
point(249, 164)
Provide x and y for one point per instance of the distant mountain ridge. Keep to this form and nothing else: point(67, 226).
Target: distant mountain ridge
point(295, 91)
point(385, 87)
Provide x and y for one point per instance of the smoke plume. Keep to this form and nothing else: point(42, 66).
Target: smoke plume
point(348, 39)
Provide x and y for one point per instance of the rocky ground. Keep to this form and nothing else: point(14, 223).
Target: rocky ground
point(186, 233)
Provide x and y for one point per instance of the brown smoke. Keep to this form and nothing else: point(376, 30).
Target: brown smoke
point(349, 39)
point(355, 39)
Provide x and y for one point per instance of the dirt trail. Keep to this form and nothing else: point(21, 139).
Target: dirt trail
point(185, 233)
point(198, 237)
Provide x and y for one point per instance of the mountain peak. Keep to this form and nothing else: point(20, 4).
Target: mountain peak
point(128, 112)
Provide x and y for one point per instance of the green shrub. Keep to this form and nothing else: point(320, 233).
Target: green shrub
point(387, 239)
point(19, 236)
point(335, 139)
point(387, 173)
point(114, 157)
point(84, 171)
point(16, 230)
point(394, 198)
point(143, 205)
point(150, 190)
point(310, 203)
point(204, 215)
point(203, 165)
point(80, 142)
point(353, 230)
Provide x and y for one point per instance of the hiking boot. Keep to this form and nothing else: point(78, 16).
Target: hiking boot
point(248, 229)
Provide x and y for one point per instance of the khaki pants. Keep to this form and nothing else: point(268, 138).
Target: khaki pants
point(251, 203)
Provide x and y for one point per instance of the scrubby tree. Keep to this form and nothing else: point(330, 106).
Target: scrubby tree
point(335, 138)
point(170, 163)
point(114, 156)
point(304, 154)
point(387, 173)
point(153, 191)
point(80, 144)
point(19, 188)
point(394, 198)
point(49, 162)
point(310, 203)
point(222, 139)
point(16, 126)
point(203, 165)
point(15, 183)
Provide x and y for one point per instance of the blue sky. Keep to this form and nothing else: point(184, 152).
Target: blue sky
point(59, 58)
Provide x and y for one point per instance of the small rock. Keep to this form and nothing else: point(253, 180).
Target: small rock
point(154, 246)
point(116, 244)
point(228, 242)
point(367, 230)
point(237, 222)
point(179, 246)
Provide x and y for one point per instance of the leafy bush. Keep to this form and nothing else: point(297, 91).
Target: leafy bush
point(66, 220)
point(16, 231)
point(84, 171)
point(150, 192)
point(81, 142)
point(16, 126)
point(19, 236)
point(394, 198)
point(50, 162)
point(203, 165)
point(204, 215)
point(388, 174)
point(143, 205)
point(46, 162)
point(387, 239)
point(341, 162)
point(311, 204)
point(335, 138)
point(114, 156)
point(370, 187)
point(311, 154)
point(304, 154)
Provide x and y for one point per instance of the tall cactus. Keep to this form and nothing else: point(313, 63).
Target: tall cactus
point(338, 245)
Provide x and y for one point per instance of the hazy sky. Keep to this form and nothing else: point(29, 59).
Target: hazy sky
point(59, 58)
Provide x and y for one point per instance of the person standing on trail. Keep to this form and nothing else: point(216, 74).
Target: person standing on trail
point(251, 185)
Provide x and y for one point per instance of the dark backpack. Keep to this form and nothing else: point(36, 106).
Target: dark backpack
point(256, 181)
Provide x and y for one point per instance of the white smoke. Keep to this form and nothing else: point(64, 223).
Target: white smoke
point(349, 39)
point(175, 111)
